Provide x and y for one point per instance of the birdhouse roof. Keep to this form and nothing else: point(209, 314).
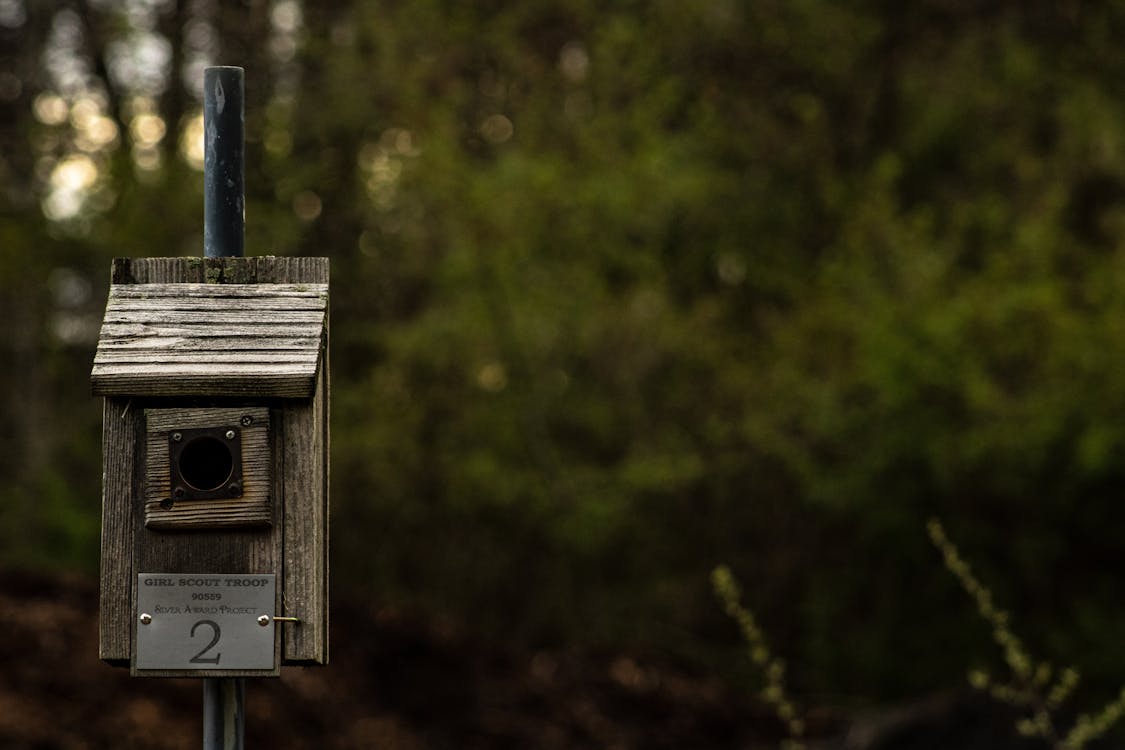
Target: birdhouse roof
point(241, 340)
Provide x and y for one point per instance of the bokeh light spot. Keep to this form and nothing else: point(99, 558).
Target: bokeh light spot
point(76, 172)
point(191, 142)
point(492, 377)
point(147, 129)
point(307, 205)
point(497, 129)
point(574, 62)
point(51, 109)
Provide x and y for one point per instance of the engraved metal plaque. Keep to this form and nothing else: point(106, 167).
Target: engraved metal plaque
point(205, 621)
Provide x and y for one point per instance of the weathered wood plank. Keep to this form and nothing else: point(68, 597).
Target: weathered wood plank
point(307, 570)
point(204, 331)
point(293, 371)
point(190, 293)
point(156, 270)
point(247, 270)
point(203, 304)
point(251, 509)
point(161, 315)
point(202, 514)
point(120, 428)
point(305, 481)
point(214, 343)
point(306, 530)
point(250, 385)
point(263, 356)
point(292, 270)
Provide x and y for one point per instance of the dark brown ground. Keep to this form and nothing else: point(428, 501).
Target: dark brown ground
point(400, 684)
point(393, 684)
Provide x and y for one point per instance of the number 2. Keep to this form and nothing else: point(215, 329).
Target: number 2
point(216, 634)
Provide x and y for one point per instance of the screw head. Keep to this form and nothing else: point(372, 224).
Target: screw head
point(263, 620)
point(177, 436)
point(247, 420)
point(235, 489)
point(145, 618)
point(179, 492)
point(230, 434)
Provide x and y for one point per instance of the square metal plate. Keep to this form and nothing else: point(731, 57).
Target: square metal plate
point(205, 462)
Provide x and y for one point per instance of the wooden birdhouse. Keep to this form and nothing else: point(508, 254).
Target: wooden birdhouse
point(214, 557)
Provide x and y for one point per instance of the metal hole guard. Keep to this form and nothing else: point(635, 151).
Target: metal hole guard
point(205, 463)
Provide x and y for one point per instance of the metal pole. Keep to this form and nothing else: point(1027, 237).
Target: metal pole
point(224, 210)
point(223, 724)
point(224, 221)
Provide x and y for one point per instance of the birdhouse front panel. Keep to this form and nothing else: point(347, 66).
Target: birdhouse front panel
point(215, 456)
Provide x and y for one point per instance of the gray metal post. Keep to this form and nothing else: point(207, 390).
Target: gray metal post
point(223, 721)
point(224, 221)
point(224, 210)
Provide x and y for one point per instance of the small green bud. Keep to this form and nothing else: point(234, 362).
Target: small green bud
point(979, 679)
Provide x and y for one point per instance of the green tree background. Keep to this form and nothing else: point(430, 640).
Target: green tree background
point(622, 291)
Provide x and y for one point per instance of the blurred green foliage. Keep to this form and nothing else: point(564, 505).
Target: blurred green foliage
point(623, 292)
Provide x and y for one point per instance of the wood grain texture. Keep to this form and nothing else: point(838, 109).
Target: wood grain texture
point(299, 454)
point(305, 482)
point(192, 339)
point(252, 509)
point(253, 270)
point(121, 427)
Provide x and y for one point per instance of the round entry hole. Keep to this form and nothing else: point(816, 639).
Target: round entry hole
point(206, 463)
